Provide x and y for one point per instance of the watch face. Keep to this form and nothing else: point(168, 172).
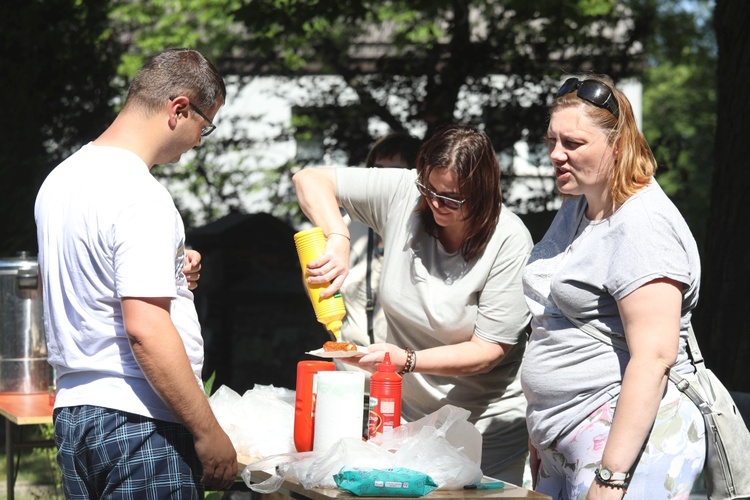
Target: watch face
point(605, 474)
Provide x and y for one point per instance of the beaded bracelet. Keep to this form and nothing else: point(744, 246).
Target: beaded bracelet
point(607, 484)
point(411, 361)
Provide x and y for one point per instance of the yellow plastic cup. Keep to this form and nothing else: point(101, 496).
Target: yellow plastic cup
point(311, 245)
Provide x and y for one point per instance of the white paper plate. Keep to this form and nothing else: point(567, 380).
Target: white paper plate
point(321, 353)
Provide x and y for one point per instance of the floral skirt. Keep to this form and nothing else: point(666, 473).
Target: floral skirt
point(671, 460)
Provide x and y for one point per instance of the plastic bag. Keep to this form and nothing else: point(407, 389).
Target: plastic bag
point(260, 423)
point(422, 446)
point(450, 422)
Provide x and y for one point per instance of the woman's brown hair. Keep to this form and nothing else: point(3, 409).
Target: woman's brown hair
point(470, 155)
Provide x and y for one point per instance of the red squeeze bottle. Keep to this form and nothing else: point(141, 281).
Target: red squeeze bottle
point(385, 399)
point(304, 407)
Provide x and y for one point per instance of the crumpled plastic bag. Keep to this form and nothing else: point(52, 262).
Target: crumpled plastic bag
point(260, 423)
point(453, 424)
point(423, 446)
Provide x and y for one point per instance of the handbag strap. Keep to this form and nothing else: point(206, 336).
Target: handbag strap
point(696, 356)
point(693, 351)
point(681, 382)
point(370, 305)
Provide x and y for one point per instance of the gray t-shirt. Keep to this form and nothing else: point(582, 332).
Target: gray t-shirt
point(432, 298)
point(566, 373)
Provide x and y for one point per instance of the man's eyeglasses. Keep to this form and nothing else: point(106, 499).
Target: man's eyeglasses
point(443, 201)
point(208, 128)
point(593, 91)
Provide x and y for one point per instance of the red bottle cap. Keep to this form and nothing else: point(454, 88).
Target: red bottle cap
point(386, 365)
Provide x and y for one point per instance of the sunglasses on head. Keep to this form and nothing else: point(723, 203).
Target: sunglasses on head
point(593, 91)
point(443, 201)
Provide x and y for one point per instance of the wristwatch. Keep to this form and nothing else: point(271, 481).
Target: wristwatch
point(606, 475)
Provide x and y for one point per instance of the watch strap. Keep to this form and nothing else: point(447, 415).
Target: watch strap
point(614, 476)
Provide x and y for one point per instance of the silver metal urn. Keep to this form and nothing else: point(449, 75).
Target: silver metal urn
point(23, 347)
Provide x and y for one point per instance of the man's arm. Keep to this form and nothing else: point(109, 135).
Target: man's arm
point(159, 350)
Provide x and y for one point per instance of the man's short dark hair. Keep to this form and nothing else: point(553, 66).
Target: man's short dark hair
point(177, 72)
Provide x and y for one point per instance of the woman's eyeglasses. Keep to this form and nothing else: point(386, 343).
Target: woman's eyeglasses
point(443, 201)
point(593, 91)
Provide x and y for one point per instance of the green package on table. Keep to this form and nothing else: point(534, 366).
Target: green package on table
point(395, 482)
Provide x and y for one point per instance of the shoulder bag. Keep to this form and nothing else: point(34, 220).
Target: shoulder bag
point(727, 468)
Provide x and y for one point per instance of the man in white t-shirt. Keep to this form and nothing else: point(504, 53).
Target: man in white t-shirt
point(131, 418)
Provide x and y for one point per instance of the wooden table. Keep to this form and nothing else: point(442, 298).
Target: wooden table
point(292, 488)
point(29, 409)
point(18, 410)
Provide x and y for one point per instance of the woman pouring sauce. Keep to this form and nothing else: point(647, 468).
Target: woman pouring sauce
point(450, 284)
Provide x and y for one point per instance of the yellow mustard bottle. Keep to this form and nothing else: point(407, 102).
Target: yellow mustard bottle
point(311, 244)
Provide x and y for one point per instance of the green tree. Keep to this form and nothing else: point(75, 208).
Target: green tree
point(208, 26)
point(679, 106)
point(56, 79)
point(145, 28)
point(410, 62)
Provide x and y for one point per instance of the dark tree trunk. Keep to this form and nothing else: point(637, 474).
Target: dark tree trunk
point(723, 318)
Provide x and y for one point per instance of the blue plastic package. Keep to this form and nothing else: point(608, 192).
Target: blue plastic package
point(395, 482)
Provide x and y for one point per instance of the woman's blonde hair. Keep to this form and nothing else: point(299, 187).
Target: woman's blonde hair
point(634, 163)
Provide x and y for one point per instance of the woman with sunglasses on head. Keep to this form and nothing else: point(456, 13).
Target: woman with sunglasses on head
point(450, 284)
point(618, 257)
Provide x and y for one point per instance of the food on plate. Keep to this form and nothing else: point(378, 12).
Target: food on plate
point(339, 346)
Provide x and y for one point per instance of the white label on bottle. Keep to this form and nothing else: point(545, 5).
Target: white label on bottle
point(387, 406)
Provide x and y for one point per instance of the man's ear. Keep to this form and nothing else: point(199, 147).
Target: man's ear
point(177, 107)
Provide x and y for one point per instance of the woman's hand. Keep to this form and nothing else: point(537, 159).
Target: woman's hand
point(332, 267)
point(375, 356)
point(535, 462)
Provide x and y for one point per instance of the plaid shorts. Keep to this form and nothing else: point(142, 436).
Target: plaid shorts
point(112, 454)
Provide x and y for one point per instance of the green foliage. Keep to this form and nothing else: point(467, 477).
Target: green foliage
point(409, 62)
point(36, 467)
point(595, 8)
point(208, 385)
point(150, 27)
point(421, 55)
point(679, 107)
point(50, 453)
